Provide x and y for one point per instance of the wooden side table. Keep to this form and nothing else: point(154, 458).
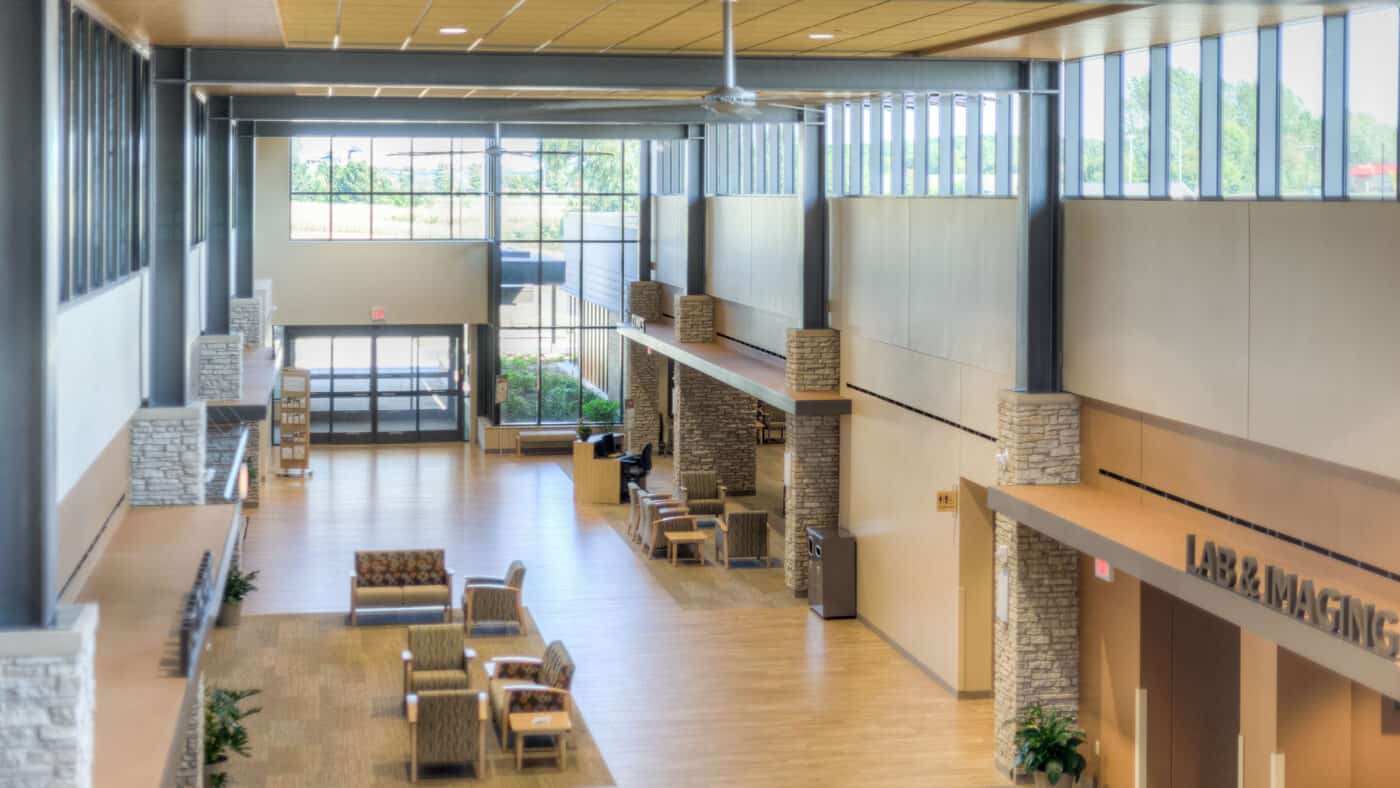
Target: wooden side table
point(555, 724)
point(676, 538)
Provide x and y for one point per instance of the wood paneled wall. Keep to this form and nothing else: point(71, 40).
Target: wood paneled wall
point(1272, 321)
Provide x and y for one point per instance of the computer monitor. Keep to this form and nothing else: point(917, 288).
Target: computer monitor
point(604, 445)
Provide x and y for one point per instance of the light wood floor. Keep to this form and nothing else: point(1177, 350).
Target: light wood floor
point(686, 675)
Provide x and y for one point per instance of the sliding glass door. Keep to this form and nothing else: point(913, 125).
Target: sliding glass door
point(382, 384)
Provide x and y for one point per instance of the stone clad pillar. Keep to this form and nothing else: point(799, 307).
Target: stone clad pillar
point(812, 449)
point(642, 419)
point(714, 426)
point(1037, 646)
point(47, 696)
point(220, 373)
point(695, 318)
point(245, 317)
point(168, 456)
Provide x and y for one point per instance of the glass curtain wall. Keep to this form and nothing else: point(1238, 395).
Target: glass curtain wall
point(569, 220)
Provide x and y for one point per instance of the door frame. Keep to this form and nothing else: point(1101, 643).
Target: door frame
point(453, 333)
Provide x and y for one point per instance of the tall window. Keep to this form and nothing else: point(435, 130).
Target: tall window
point(1136, 107)
point(1239, 114)
point(960, 145)
point(1373, 86)
point(1184, 133)
point(569, 219)
point(988, 177)
point(935, 128)
point(1092, 124)
point(387, 188)
point(1300, 109)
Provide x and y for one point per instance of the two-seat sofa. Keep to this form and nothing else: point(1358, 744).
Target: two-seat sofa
point(390, 579)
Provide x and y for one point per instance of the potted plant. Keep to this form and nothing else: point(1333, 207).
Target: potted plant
point(600, 411)
point(238, 585)
point(224, 732)
point(1047, 746)
point(584, 431)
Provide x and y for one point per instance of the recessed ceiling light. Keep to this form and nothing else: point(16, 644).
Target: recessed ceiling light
point(821, 36)
point(452, 31)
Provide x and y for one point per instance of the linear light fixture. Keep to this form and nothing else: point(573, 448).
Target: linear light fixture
point(406, 41)
point(475, 44)
point(424, 93)
point(335, 42)
point(452, 31)
point(821, 36)
point(545, 44)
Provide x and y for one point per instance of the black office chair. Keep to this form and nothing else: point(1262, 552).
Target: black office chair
point(635, 468)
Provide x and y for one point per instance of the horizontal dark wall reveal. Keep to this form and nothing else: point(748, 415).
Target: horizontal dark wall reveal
point(1253, 526)
point(923, 413)
point(736, 340)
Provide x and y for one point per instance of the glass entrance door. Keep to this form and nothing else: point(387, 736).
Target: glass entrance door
point(382, 384)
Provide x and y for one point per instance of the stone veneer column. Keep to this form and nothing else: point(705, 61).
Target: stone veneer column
point(47, 693)
point(714, 426)
point(167, 456)
point(245, 317)
point(190, 772)
point(643, 418)
point(812, 449)
point(254, 459)
point(644, 300)
point(220, 371)
point(695, 318)
point(1037, 647)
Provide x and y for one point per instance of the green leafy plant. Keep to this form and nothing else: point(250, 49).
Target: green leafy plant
point(224, 732)
point(239, 584)
point(584, 431)
point(1047, 740)
point(600, 411)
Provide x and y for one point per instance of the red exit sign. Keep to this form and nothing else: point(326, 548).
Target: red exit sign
point(1103, 570)
point(376, 314)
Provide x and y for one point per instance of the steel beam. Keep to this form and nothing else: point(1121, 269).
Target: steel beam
point(252, 66)
point(217, 260)
point(1112, 125)
point(506, 111)
point(171, 107)
point(1270, 120)
point(480, 130)
point(1334, 106)
point(1210, 117)
point(836, 132)
point(31, 141)
point(1037, 280)
point(644, 220)
point(1159, 121)
point(695, 211)
point(814, 217)
point(243, 211)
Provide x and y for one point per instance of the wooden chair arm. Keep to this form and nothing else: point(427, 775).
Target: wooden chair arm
point(406, 656)
point(411, 701)
point(468, 654)
point(483, 707)
point(693, 519)
point(723, 491)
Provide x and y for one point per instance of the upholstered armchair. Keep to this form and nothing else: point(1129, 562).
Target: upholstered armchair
point(523, 684)
point(447, 726)
point(742, 535)
point(653, 540)
point(437, 658)
point(647, 508)
point(702, 492)
point(495, 599)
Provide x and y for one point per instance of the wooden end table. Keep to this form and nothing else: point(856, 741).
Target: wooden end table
point(555, 724)
point(676, 538)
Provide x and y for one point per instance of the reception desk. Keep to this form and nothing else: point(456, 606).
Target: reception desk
point(595, 480)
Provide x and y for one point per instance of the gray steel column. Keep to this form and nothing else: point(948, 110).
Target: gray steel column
point(921, 144)
point(814, 216)
point(736, 158)
point(170, 164)
point(217, 260)
point(778, 154)
point(1270, 122)
point(1210, 117)
point(1113, 125)
point(243, 210)
point(695, 213)
point(1004, 145)
point(1334, 106)
point(644, 220)
point(489, 340)
point(946, 149)
point(31, 141)
point(897, 110)
point(1158, 122)
point(1074, 128)
point(877, 146)
point(836, 125)
point(856, 182)
point(972, 179)
point(1037, 280)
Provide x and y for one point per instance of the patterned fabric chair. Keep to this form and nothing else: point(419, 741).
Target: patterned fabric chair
point(702, 492)
point(447, 726)
point(496, 599)
point(400, 578)
point(654, 543)
point(742, 535)
point(437, 658)
point(520, 684)
point(644, 509)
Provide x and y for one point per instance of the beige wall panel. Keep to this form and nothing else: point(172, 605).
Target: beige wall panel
point(962, 280)
point(1154, 315)
point(927, 383)
point(870, 251)
point(980, 395)
point(337, 283)
point(1375, 757)
point(1110, 437)
point(1258, 706)
point(776, 254)
point(976, 549)
point(908, 560)
point(671, 229)
point(1109, 671)
point(767, 330)
point(978, 461)
point(91, 500)
point(728, 243)
point(1314, 723)
point(1324, 377)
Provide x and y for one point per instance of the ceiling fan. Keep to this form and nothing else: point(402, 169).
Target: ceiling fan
point(728, 101)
